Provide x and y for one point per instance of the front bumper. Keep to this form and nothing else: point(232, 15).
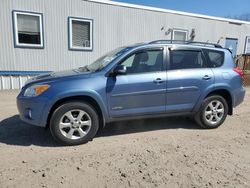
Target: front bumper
point(31, 110)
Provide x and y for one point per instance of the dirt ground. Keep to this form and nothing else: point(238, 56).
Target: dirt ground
point(167, 152)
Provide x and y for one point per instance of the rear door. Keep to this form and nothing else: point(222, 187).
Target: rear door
point(187, 77)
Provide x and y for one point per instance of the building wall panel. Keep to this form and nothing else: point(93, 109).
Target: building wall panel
point(113, 26)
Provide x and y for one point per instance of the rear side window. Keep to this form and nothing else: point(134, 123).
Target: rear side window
point(215, 58)
point(186, 59)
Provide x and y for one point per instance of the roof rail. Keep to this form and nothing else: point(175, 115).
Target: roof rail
point(185, 42)
point(167, 41)
point(205, 44)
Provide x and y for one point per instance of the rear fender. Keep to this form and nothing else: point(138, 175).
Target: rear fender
point(209, 90)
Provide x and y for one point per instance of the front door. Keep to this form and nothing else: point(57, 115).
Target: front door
point(232, 44)
point(142, 90)
point(188, 76)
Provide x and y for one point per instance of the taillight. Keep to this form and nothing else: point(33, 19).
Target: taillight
point(239, 71)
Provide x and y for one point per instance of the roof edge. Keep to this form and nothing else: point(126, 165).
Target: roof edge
point(129, 5)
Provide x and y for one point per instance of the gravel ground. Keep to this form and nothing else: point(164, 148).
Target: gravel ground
point(166, 152)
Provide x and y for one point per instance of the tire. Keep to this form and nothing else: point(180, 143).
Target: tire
point(74, 123)
point(212, 113)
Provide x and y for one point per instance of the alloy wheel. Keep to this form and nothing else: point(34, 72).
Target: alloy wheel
point(75, 124)
point(214, 112)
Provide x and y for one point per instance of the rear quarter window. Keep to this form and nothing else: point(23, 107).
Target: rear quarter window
point(214, 58)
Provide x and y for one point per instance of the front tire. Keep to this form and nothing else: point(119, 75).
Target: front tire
point(212, 112)
point(74, 123)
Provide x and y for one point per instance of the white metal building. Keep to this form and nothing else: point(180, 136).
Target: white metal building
point(46, 35)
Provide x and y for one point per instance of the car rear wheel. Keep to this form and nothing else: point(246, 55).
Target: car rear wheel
point(74, 123)
point(212, 113)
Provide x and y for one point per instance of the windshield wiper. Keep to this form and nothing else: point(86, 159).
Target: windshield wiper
point(85, 68)
point(99, 68)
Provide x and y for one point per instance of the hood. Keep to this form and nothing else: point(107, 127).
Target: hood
point(56, 75)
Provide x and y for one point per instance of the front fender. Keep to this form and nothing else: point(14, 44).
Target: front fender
point(73, 93)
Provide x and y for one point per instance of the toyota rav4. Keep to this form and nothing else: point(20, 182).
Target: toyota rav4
point(155, 79)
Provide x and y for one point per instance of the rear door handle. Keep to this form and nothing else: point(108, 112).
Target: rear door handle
point(206, 77)
point(158, 81)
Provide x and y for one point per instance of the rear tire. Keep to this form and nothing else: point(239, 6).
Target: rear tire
point(212, 113)
point(74, 123)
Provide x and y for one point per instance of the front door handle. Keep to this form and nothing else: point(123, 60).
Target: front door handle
point(206, 77)
point(158, 81)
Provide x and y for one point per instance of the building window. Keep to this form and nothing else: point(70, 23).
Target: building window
point(247, 47)
point(179, 34)
point(28, 29)
point(80, 34)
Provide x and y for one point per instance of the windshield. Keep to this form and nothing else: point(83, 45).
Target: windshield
point(106, 59)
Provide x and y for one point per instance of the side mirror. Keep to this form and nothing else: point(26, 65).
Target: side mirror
point(120, 69)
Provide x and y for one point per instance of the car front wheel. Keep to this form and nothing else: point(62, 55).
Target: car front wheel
point(74, 123)
point(212, 113)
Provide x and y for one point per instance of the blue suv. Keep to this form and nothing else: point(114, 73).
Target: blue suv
point(155, 79)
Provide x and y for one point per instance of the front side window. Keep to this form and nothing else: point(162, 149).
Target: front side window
point(144, 61)
point(80, 34)
point(186, 59)
point(28, 29)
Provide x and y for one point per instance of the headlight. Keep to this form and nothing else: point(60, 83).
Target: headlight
point(35, 90)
